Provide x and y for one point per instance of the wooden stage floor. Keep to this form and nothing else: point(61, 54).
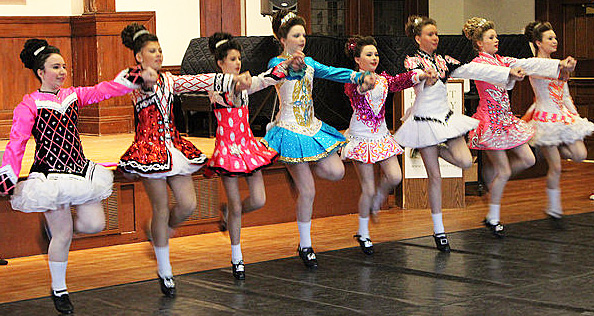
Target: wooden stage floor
point(524, 200)
point(536, 270)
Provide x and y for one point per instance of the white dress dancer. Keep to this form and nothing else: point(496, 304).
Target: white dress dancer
point(555, 117)
point(431, 120)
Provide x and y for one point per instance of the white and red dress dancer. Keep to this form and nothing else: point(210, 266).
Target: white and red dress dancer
point(61, 176)
point(560, 131)
point(237, 152)
point(158, 154)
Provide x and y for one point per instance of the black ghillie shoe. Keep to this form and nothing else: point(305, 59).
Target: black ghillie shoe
point(239, 270)
point(62, 302)
point(366, 244)
point(308, 256)
point(442, 243)
point(167, 286)
point(496, 229)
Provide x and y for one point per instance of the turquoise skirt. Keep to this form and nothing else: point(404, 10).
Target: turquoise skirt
point(296, 148)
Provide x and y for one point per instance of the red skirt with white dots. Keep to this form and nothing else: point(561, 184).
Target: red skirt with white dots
point(237, 152)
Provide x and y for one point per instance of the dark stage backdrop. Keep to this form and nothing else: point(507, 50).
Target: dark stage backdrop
point(331, 104)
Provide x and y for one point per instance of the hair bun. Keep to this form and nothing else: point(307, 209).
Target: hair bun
point(28, 55)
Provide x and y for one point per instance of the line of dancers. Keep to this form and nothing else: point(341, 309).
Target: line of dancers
point(61, 175)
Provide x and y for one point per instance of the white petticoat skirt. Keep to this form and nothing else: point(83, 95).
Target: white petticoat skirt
point(40, 193)
point(180, 166)
point(557, 133)
point(424, 133)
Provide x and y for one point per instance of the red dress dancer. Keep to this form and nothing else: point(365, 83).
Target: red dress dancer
point(158, 151)
point(237, 152)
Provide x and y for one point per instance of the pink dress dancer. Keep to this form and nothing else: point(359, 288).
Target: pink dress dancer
point(369, 139)
point(60, 174)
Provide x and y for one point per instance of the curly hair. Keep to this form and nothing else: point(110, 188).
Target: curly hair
point(474, 28)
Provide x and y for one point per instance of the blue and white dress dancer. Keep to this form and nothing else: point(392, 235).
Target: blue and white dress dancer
point(298, 136)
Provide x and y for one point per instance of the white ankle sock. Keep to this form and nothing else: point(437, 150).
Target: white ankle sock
point(162, 254)
point(493, 215)
point(554, 196)
point(58, 274)
point(304, 234)
point(236, 254)
point(364, 227)
point(438, 223)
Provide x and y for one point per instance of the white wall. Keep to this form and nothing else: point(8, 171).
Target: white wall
point(255, 23)
point(178, 21)
point(43, 8)
point(510, 16)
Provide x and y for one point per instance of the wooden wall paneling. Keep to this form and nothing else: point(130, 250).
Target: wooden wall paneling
point(304, 10)
point(220, 16)
point(21, 233)
point(104, 5)
point(582, 92)
point(418, 7)
point(99, 56)
point(210, 17)
point(414, 193)
point(231, 17)
point(359, 17)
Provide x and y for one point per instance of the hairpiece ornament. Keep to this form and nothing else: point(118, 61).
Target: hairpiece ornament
point(137, 34)
point(287, 17)
point(352, 46)
point(39, 50)
point(417, 21)
point(481, 22)
point(221, 42)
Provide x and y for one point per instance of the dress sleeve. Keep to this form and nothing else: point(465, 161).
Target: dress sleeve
point(125, 82)
point(203, 82)
point(413, 62)
point(22, 124)
point(358, 100)
point(496, 75)
point(402, 81)
point(268, 78)
point(343, 75)
point(539, 67)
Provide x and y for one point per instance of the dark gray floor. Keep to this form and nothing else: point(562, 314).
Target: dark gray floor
point(535, 270)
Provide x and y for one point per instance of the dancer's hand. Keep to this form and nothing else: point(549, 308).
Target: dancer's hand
point(149, 76)
point(368, 82)
point(568, 64)
point(242, 81)
point(297, 61)
point(430, 76)
point(517, 73)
